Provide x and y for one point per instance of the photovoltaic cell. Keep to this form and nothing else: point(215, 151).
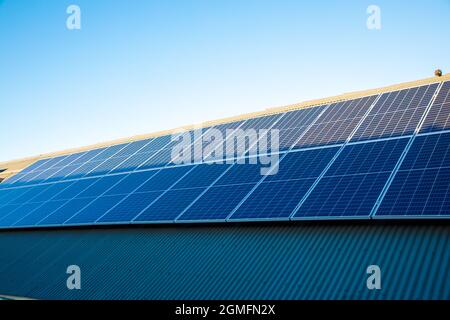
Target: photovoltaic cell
point(217, 203)
point(42, 210)
point(421, 186)
point(130, 207)
point(169, 205)
point(131, 182)
point(164, 179)
point(278, 195)
point(100, 186)
point(337, 123)
point(352, 184)
point(438, 117)
point(396, 113)
point(65, 212)
point(95, 210)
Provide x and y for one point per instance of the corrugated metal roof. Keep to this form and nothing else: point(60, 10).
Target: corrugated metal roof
point(261, 261)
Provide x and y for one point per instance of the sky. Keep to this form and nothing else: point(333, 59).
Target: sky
point(140, 66)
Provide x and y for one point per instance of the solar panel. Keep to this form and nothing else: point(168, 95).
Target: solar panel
point(337, 123)
point(94, 210)
point(396, 113)
point(421, 186)
point(438, 117)
point(335, 161)
point(169, 205)
point(294, 124)
point(278, 195)
point(352, 184)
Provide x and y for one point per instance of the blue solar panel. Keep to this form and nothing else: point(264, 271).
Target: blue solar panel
point(294, 124)
point(273, 200)
point(132, 148)
point(42, 210)
point(169, 205)
point(337, 123)
point(100, 186)
point(421, 186)
point(156, 144)
point(131, 182)
point(129, 208)
point(52, 191)
point(132, 162)
point(217, 203)
point(14, 194)
point(18, 213)
point(280, 193)
point(352, 184)
point(106, 166)
point(438, 117)
point(74, 189)
point(28, 195)
point(65, 212)
point(397, 113)
point(202, 176)
point(164, 179)
point(95, 210)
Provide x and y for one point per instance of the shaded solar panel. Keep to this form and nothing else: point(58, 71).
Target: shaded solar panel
point(421, 186)
point(396, 113)
point(353, 183)
point(438, 117)
point(337, 123)
point(278, 195)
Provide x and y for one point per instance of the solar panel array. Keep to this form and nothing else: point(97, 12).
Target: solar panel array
point(379, 156)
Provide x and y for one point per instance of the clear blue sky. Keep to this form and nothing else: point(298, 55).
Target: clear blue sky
point(143, 66)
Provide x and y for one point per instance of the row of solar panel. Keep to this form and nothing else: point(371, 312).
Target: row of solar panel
point(235, 192)
point(349, 188)
point(395, 114)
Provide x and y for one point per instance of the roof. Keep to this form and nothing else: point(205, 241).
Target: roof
point(15, 166)
point(315, 260)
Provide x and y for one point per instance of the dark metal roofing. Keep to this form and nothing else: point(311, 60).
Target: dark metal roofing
point(262, 261)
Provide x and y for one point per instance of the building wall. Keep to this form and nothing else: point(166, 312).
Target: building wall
point(237, 261)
